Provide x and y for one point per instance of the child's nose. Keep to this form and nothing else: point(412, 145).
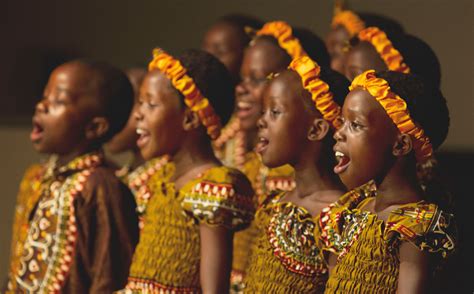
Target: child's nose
point(339, 134)
point(261, 123)
point(41, 107)
point(241, 89)
point(137, 114)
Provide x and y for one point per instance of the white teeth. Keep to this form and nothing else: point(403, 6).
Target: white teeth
point(141, 132)
point(244, 105)
point(339, 154)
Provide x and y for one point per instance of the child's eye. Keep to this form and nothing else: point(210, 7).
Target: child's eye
point(355, 125)
point(275, 112)
point(151, 104)
point(57, 101)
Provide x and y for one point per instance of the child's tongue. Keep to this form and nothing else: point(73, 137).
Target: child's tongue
point(342, 164)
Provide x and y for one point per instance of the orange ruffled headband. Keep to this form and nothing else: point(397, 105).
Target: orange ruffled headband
point(391, 56)
point(309, 71)
point(396, 109)
point(193, 98)
point(349, 20)
point(283, 33)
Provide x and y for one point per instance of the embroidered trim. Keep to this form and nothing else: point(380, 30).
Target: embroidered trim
point(136, 285)
point(138, 183)
point(290, 233)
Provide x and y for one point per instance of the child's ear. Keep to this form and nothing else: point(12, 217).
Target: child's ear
point(318, 129)
point(403, 145)
point(191, 120)
point(97, 128)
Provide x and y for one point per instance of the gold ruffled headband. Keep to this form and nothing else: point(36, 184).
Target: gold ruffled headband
point(283, 33)
point(349, 20)
point(391, 56)
point(193, 97)
point(309, 71)
point(396, 109)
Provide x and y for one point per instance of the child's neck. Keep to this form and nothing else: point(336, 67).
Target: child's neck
point(398, 187)
point(194, 157)
point(251, 138)
point(137, 159)
point(311, 178)
point(64, 159)
point(316, 186)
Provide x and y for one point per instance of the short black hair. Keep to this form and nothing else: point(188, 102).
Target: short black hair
point(416, 53)
point(313, 45)
point(115, 94)
point(425, 102)
point(338, 84)
point(419, 56)
point(386, 24)
point(212, 79)
point(241, 21)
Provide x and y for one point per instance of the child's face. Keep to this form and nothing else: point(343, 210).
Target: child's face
point(364, 143)
point(284, 124)
point(362, 57)
point(336, 40)
point(126, 139)
point(159, 117)
point(260, 59)
point(67, 107)
point(224, 41)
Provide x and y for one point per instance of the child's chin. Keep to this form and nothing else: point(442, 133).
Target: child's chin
point(271, 162)
point(40, 148)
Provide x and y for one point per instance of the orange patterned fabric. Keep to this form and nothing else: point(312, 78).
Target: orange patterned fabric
point(396, 109)
point(349, 20)
point(309, 71)
point(193, 97)
point(391, 56)
point(283, 33)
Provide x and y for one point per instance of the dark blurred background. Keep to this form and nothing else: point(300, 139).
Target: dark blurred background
point(36, 36)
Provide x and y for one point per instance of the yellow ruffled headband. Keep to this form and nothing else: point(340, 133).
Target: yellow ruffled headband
point(391, 56)
point(396, 109)
point(193, 98)
point(283, 33)
point(349, 20)
point(309, 71)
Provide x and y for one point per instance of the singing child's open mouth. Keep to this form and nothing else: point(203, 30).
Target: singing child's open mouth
point(343, 162)
point(262, 145)
point(143, 137)
point(37, 132)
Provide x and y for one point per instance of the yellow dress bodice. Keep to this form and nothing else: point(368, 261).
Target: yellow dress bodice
point(168, 255)
point(284, 257)
point(367, 247)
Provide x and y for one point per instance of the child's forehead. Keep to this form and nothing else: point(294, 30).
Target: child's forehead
point(362, 103)
point(286, 85)
point(74, 78)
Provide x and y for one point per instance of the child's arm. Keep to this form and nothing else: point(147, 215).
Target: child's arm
point(216, 258)
point(332, 259)
point(109, 228)
point(414, 269)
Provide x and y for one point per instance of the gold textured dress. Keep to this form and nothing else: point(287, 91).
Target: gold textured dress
point(284, 257)
point(368, 248)
point(167, 257)
point(230, 149)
